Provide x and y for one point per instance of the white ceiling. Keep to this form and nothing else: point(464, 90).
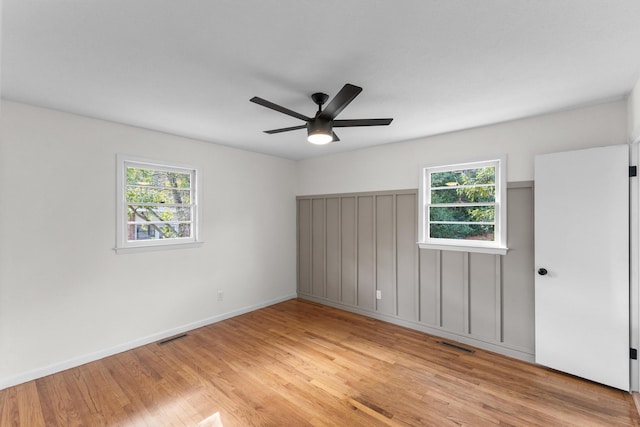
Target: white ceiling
point(190, 67)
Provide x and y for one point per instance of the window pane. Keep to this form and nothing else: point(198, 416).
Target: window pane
point(464, 177)
point(158, 231)
point(484, 194)
point(461, 231)
point(143, 214)
point(463, 214)
point(140, 176)
point(143, 194)
point(156, 204)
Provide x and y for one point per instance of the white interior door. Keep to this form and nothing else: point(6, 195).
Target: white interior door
point(582, 244)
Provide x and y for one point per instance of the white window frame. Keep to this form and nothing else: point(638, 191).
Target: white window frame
point(123, 245)
point(499, 245)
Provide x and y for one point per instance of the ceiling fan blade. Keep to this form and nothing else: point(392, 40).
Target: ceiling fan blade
point(279, 108)
point(335, 137)
point(285, 129)
point(361, 122)
point(340, 101)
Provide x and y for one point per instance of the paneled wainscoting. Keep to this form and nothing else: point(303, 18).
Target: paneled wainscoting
point(352, 245)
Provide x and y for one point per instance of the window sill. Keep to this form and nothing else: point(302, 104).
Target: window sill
point(153, 248)
point(462, 248)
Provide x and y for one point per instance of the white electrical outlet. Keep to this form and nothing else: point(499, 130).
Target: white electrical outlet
point(220, 295)
point(378, 294)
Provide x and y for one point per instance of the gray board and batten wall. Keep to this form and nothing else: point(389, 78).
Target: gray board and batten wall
point(352, 245)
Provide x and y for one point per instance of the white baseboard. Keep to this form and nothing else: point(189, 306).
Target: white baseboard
point(91, 357)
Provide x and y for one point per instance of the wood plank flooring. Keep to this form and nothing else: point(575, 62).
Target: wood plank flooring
point(302, 364)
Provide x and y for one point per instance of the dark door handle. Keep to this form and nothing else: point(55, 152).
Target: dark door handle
point(542, 271)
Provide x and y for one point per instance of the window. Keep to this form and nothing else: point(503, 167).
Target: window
point(463, 207)
point(157, 205)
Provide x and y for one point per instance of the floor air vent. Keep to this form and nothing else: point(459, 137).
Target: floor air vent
point(457, 347)
point(168, 340)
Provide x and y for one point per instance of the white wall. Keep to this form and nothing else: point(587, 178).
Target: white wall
point(66, 297)
point(395, 166)
point(633, 106)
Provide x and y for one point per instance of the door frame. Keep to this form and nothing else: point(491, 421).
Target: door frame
point(634, 264)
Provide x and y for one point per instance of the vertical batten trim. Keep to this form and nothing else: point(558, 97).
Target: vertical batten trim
point(498, 296)
point(438, 301)
point(417, 271)
point(356, 233)
point(324, 253)
point(298, 245)
point(310, 291)
point(340, 249)
point(419, 286)
point(374, 238)
point(466, 294)
point(394, 222)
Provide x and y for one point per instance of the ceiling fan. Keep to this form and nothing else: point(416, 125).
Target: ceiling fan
point(320, 127)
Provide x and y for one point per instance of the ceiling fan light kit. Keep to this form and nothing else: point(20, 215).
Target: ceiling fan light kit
point(320, 127)
point(319, 131)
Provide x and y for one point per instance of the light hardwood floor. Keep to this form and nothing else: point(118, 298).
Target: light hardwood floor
point(298, 364)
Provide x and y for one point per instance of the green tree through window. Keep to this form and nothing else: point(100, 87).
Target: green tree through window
point(462, 204)
point(159, 204)
point(463, 207)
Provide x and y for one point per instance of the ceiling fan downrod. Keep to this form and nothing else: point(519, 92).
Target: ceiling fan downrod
point(319, 98)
